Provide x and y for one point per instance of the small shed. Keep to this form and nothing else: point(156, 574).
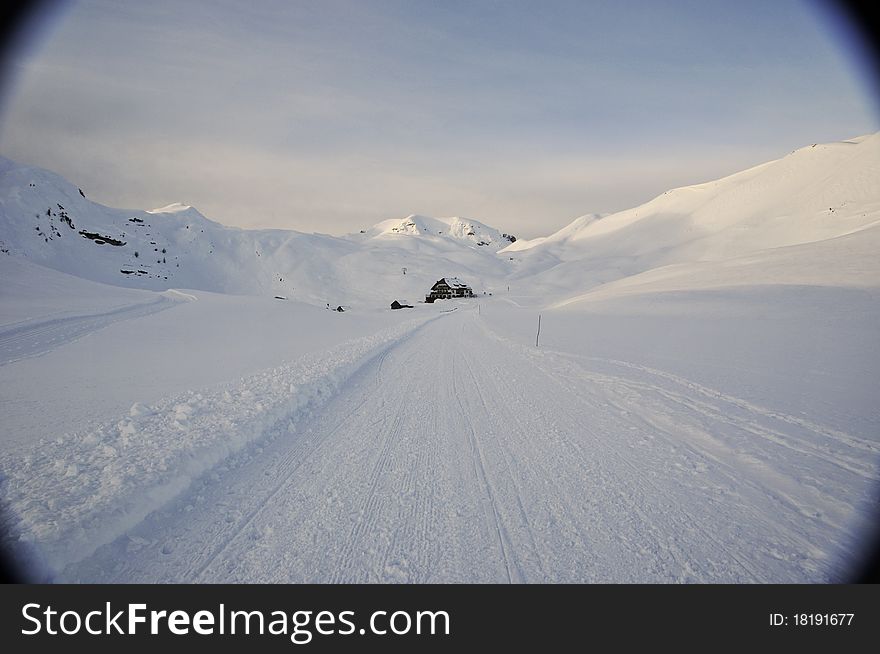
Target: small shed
point(401, 305)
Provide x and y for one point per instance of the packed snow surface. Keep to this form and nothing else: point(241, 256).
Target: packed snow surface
point(699, 406)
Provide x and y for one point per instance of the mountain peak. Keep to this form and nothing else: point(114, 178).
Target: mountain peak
point(456, 228)
point(174, 207)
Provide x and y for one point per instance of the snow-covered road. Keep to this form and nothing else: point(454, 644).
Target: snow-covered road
point(456, 455)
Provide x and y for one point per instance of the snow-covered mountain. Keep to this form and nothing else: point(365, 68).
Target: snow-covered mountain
point(826, 193)
point(470, 232)
point(51, 222)
point(816, 194)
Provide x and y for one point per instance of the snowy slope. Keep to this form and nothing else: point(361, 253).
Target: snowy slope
point(561, 235)
point(817, 193)
point(32, 293)
point(47, 220)
point(848, 261)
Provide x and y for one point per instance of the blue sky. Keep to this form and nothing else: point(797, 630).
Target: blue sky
point(332, 115)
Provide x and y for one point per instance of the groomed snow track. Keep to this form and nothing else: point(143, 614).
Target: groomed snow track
point(455, 456)
point(36, 337)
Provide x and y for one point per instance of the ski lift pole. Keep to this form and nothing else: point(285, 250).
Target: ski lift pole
point(539, 330)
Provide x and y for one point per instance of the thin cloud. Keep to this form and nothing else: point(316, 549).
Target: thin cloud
point(332, 115)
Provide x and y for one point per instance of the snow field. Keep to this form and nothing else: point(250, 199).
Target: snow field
point(523, 465)
point(69, 495)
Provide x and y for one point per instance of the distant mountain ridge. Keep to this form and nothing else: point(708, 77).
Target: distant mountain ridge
point(51, 222)
point(818, 193)
point(469, 231)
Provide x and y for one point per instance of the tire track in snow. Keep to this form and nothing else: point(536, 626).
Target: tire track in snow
point(620, 484)
point(616, 497)
point(862, 467)
point(24, 341)
point(868, 446)
point(719, 452)
point(733, 476)
point(384, 477)
point(576, 519)
point(505, 457)
point(479, 469)
point(231, 497)
point(348, 568)
point(413, 552)
point(294, 458)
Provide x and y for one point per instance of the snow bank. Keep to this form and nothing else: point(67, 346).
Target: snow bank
point(68, 496)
